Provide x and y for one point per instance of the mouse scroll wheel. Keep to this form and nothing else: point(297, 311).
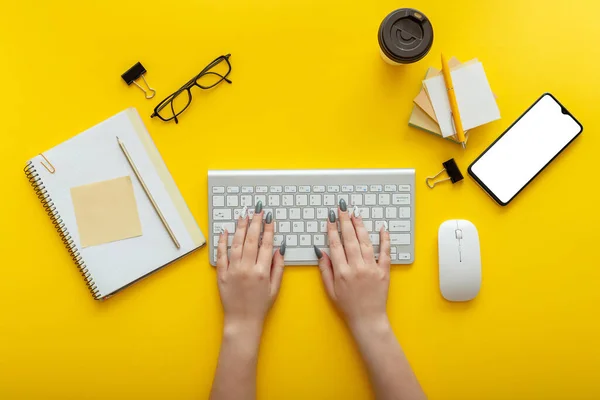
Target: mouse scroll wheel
point(458, 233)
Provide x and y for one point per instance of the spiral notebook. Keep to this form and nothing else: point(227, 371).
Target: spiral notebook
point(93, 157)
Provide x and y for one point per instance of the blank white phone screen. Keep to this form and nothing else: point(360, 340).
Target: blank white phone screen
point(525, 149)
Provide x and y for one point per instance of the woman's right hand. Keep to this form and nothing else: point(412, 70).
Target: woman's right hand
point(354, 281)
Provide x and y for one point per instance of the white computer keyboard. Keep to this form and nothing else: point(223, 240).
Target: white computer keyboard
point(300, 201)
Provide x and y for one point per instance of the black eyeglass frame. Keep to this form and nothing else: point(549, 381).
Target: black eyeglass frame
point(187, 87)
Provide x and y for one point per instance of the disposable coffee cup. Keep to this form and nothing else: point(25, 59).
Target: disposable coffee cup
point(405, 36)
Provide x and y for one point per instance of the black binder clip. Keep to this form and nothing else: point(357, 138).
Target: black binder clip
point(451, 169)
point(133, 74)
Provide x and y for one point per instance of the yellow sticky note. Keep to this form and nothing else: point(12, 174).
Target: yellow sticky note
point(106, 211)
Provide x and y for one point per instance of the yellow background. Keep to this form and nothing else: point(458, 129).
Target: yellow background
point(309, 91)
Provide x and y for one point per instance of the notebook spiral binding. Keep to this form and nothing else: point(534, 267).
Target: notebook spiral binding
point(41, 192)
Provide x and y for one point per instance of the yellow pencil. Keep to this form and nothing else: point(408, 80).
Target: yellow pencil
point(460, 133)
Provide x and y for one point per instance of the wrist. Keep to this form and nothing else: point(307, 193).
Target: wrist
point(242, 329)
point(371, 326)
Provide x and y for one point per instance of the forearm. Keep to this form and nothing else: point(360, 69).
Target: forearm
point(235, 378)
point(390, 373)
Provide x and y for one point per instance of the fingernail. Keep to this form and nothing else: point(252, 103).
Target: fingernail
point(244, 212)
point(385, 226)
point(356, 212)
point(269, 218)
point(282, 249)
point(331, 216)
point(258, 208)
point(343, 205)
point(318, 252)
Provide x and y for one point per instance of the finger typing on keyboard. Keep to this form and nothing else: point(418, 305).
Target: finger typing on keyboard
point(301, 201)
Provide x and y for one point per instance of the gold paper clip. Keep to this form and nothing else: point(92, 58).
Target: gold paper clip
point(48, 166)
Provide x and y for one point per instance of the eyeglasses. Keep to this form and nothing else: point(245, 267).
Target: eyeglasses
point(174, 105)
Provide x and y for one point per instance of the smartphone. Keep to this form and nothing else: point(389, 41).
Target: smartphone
point(505, 168)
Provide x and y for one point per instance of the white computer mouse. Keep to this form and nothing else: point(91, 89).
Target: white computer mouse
point(460, 260)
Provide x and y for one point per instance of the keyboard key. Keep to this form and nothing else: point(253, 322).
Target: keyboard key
point(276, 189)
point(401, 199)
point(400, 238)
point(246, 200)
point(312, 226)
point(301, 200)
point(308, 213)
point(289, 189)
point(400, 226)
point(393, 250)
point(370, 199)
point(294, 213)
point(305, 240)
point(285, 227)
point(389, 188)
point(390, 212)
point(314, 200)
point(404, 188)
point(303, 254)
point(247, 189)
point(403, 212)
point(318, 189)
point(281, 213)
point(304, 189)
point(298, 227)
point(379, 224)
point(384, 199)
point(361, 188)
point(368, 225)
point(321, 213)
point(277, 240)
point(329, 200)
point(347, 188)
point(333, 189)
point(393, 256)
point(218, 201)
point(377, 212)
point(232, 201)
point(262, 189)
point(403, 256)
point(374, 238)
point(322, 226)
point(287, 200)
point(319, 240)
point(216, 241)
point(364, 212)
point(260, 197)
point(222, 214)
point(251, 212)
point(233, 189)
point(291, 240)
point(236, 213)
point(376, 188)
point(356, 199)
point(218, 227)
point(273, 200)
point(218, 189)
